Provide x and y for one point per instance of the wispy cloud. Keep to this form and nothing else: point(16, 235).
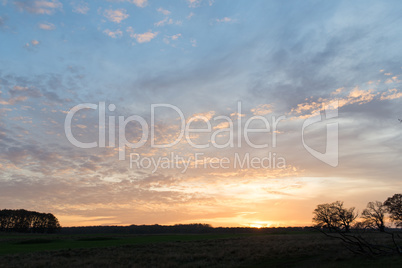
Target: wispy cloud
point(262, 109)
point(190, 15)
point(138, 3)
point(194, 3)
point(163, 11)
point(13, 100)
point(33, 43)
point(176, 36)
point(344, 97)
point(115, 34)
point(167, 39)
point(225, 19)
point(80, 7)
point(391, 94)
point(47, 7)
point(143, 37)
point(117, 15)
point(205, 116)
point(167, 21)
point(47, 26)
point(163, 22)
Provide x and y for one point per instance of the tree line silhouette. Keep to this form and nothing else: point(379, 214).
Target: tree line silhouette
point(24, 221)
point(335, 217)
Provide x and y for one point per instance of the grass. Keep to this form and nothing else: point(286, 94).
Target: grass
point(204, 250)
point(33, 243)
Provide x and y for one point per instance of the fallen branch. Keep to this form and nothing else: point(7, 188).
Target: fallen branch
point(357, 244)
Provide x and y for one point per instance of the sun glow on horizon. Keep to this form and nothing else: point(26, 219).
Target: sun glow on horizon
point(260, 224)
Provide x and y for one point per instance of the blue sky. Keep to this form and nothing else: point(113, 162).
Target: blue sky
point(203, 57)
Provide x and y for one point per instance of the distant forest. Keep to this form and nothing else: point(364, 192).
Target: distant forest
point(24, 221)
point(196, 228)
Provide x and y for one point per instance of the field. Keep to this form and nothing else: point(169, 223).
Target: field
point(293, 249)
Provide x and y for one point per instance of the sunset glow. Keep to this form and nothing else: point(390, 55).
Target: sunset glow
point(229, 113)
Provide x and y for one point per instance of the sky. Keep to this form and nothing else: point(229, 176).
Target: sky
point(231, 113)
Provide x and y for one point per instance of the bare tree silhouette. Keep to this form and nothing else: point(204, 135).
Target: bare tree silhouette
point(374, 215)
point(394, 206)
point(362, 240)
point(334, 216)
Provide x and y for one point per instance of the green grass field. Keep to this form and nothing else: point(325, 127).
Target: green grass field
point(302, 249)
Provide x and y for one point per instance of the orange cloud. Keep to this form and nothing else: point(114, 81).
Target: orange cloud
point(14, 100)
point(201, 116)
point(222, 125)
point(391, 94)
point(262, 109)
